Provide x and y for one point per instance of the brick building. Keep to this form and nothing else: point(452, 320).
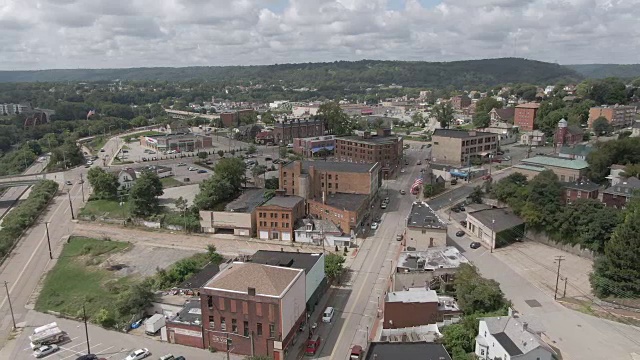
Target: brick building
point(366, 147)
point(314, 146)
point(276, 218)
point(346, 211)
point(185, 328)
point(258, 307)
point(460, 102)
point(618, 195)
point(583, 189)
point(232, 118)
point(567, 134)
point(284, 132)
point(525, 116)
point(416, 307)
point(619, 116)
point(460, 147)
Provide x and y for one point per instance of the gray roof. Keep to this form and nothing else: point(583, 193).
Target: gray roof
point(267, 280)
point(436, 258)
point(422, 216)
point(584, 185)
point(413, 295)
point(374, 139)
point(574, 164)
point(336, 166)
point(625, 187)
point(327, 226)
point(580, 149)
point(497, 219)
point(350, 202)
point(509, 346)
point(191, 313)
point(249, 200)
point(407, 351)
point(295, 260)
point(460, 134)
point(288, 202)
point(517, 335)
point(199, 279)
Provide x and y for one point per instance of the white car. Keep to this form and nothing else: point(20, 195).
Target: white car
point(374, 226)
point(182, 164)
point(138, 354)
point(45, 350)
point(327, 315)
point(191, 168)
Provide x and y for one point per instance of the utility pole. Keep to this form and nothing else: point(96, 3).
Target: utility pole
point(46, 225)
point(86, 329)
point(228, 346)
point(82, 186)
point(73, 217)
point(559, 259)
point(10, 306)
point(564, 293)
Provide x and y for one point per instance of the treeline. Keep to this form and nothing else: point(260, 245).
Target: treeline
point(601, 71)
point(22, 216)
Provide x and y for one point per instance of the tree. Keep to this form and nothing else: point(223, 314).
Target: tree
point(213, 255)
point(104, 184)
point(476, 294)
point(601, 126)
point(221, 153)
point(476, 195)
point(213, 191)
point(231, 169)
point(337, 121)
point(139, 121)
point(203, 155)
point(268, 118)
point(105, 319)
point(617, 272)
point(443, 114)
point(272, 184)
point(418, 119)
point(482, 118)
point(252, 149)
point(333, 265)
point(144, 194)
point(543, 201)
point(586, 222)
point(282, 152)
point(512, 190)
point(623, 151)
point(136, 299)
point(258, 170)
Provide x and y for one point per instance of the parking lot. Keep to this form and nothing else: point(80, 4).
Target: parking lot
point(104, 343)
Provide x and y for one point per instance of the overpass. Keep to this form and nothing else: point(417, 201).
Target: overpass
point(30, 179)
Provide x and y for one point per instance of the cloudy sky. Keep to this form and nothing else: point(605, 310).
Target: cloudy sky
point(43, 34)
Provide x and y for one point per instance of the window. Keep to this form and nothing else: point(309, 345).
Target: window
point(245, 328)
point(284, 173)
point(336, 185)
point(322, 184)
point(259, 311)
point(329, 176)
point(481, 351)
point(211, 322)
point(210, 301)
point(272, 330)
point(285, 182)
point(234, 326)
point(232, 305)
point(223, 324)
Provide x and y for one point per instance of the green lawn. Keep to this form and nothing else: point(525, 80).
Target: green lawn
point(106, 208)
point(97, 143)
point(168, 182)
point(77, 278)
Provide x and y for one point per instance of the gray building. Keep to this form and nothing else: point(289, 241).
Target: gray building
point(461, 147)
point(424, 228)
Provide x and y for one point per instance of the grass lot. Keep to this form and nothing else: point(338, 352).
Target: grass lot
point(97, 143)
point(168, 182)
point(77, 278)
point(106, 208)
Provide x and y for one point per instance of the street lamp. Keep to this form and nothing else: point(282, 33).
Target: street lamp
point(493, 234)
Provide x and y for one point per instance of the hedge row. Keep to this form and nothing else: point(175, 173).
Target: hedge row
point(23, 216)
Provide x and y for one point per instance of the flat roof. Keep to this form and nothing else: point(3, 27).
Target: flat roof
point(191, 313)
point(350, 202)
point(423, 216)
point(497, 219)
point(460, 134)
point(295, 260)
point(288, 202)
point(530, 105)
point(437, 258)
point(413, 295)
point(267, 280)
point(336, 166)
point(529, 167)
point(574, 164)
point(407, 350)
point(247, 201)
point(374, 139)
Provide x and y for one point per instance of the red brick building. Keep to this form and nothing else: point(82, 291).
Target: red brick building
point(460, 102)
point(346, 211)
point(417, 306)
point(276, 218)
point(368, 148)
point(284, 132)
point(580, 190)
point(186, 327)
point(618, 195)
point(232, 118)
point(567, 134)
point(255, 306)
point(525, 116)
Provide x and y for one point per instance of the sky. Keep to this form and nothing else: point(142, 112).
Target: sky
point(46, 34)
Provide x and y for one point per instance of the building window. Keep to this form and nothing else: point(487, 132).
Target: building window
point(284, 173)
point(329, 185)
point(481, 351)
point(234, 326)
point(210, 301)
point(285, 182)
point(223, 324)
point(329, 176)
point(211, 322)
point(245, 328)
point(272, 330)
point(336, 185)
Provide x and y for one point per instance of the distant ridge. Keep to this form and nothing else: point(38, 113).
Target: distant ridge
point(601, 71)
point(342, 74)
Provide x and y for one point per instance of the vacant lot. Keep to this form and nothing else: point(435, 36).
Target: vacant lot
point(106, 208)
point(168, 182)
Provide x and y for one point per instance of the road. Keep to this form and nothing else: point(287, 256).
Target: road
point(12, 194)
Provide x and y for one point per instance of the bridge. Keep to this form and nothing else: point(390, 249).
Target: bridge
point(177, 114)
point(27, 180)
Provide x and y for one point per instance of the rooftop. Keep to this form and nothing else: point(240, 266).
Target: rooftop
point(573, 164)
point(506, 113)
point(407, 350)
point(326, 226)
point(437, 258)
point(200, 279)
point(351, 202)
point(334, 166)
point(374, 139)
point(191, 313)
point(584, 185)
point(423, 216)
point(413, 295)
point(295, 260)
point(530, 105)
point(625, 187)
point(460, 134)
point(429, 333)
point(529, 167)
point(579, 149)
point(246, 202)
point(267, 280)
point(288, 202)
point(515, 334)
point(497, 219)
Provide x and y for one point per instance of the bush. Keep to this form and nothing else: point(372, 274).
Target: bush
point(18, 220)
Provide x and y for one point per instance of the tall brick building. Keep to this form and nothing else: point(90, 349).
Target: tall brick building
point(232, 118)
point(382, 148)
point(276, 218)
point(284, 132)
point(460, 102)
point(525, 116)
point(618, 116)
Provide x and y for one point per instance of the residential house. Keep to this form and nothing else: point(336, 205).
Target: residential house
point(507, 133)
point(406, 351)
point(533, 138)
point(429, 268)
point(311, 263)
point(418, 306)
point(510, 337)
point(582, 189)
point(424, 228)
point(568, 170)
point(322, 233)
point(618, 195)
point(579, 151)
point(504, 115)
point(616, 174)
point(525, 116)
point(567, 135)
point(495, 227)
point(460, 147)
point(126, 179)
point(276, 218)
point(258, 307)
point(238, 216)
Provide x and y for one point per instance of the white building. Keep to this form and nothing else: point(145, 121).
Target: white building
point(510, 337)
point(533, 138)
point(424, 228)
point(126, 179)
point(315, 231)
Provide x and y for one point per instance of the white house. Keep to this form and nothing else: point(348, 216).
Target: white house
point(510, 337)
point(315, 231)
point(126, 179)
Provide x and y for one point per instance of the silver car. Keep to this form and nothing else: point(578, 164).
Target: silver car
point(45, 350)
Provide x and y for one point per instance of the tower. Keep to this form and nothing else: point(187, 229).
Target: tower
point(561, 134)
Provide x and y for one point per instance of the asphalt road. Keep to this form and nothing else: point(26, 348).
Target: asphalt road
point(11, 196)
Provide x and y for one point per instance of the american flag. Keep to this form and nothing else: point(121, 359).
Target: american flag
point(91, 112)
point(417, 183)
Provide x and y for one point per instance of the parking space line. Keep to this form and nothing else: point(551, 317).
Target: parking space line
point(103, 351)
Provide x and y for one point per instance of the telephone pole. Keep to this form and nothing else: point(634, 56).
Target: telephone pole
point(82, 186)
point(6, 287)
point(86, 329)
point(46, 225)
point(559, 259)
point(71, 206)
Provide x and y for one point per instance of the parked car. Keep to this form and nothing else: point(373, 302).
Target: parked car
point(101, 150)
point(186, 179)
point(377, 219)
point(88, 357)
point(182, 164)
point(460, 233)
point(402, 170)
point(138, 354)
point(268, 158)
point(45, 350)
point(356, 352)
point(180, 358)
point(144, 159)
point(167, 357)
point(399, 237)
point(374, 226)
point(191, 168)
point(202, 171)
point(454, 181)
point(419, 163)
point(327, 315)
point(474, 245)
point(455, 209)
point(499, 152)
point(68, 183)
point(313, 345)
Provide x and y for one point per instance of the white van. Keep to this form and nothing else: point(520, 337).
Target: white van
point(328, 314)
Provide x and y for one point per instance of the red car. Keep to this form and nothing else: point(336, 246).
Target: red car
point(313, 345)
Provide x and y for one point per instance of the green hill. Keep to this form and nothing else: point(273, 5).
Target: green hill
point(601, 71)
point(339, 74)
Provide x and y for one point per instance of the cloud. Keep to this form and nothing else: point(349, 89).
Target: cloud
point(129, 33)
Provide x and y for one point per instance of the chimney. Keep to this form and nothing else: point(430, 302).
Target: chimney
point(525, 326)
point(251, 291)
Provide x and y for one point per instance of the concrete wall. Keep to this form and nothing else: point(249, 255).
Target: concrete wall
point(293, 304)
point(184, 334)
point(572, 249)
point(314, 277)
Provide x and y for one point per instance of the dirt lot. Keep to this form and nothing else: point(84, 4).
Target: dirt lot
point(143, 260)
